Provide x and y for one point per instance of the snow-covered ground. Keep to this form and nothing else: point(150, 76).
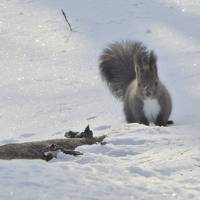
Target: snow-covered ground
point(49, 83)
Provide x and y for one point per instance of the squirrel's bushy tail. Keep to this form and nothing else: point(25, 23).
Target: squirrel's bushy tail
point(117, 65)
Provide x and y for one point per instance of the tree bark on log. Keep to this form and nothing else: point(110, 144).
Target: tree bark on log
point(48, 149)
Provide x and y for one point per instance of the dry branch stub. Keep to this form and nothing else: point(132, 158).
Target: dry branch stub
point(48, 149)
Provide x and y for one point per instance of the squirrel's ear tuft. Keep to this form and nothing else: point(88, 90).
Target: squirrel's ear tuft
point(152, 62)
point(137, 63)
point(136, 58)
point(152, 58)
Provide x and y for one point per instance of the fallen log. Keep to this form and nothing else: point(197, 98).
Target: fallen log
point(48, 149)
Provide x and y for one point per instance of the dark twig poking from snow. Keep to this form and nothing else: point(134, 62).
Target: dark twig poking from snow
point(70, 27)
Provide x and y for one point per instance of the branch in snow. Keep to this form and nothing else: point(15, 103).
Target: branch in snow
point(48, 149)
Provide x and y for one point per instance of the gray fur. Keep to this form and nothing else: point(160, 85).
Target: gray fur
point(130, 71)
point(133, 105)
point(166, 106)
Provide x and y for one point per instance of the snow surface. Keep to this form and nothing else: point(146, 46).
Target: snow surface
point(50, 83)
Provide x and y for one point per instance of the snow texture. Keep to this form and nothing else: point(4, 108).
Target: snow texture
point(50, 83)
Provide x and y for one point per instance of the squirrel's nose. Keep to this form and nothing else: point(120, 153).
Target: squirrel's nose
point(148, 93)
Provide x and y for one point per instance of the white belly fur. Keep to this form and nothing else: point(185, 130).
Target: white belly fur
point(151, 109)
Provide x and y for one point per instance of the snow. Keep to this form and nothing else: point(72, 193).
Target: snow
point(50, 84)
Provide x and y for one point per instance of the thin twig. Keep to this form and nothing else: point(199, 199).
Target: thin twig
point(63, 12)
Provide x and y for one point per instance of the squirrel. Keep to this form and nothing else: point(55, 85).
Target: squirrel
point(130, 70)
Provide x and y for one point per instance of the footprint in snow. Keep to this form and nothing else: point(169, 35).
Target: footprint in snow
point(140, 171)
point(7, 141)
point(26, 135)
point(127, 141)
point(101, 128)
point(93, 117)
